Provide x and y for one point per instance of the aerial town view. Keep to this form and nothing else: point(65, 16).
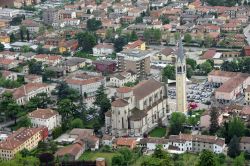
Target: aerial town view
point(124, 82)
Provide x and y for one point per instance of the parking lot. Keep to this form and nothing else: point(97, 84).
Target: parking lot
point(199, 93)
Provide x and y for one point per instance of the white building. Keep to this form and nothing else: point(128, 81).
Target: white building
point(103, 49)
point(45, 117)
point(151, 143)
point(119, 79)
point(86, 84)
point(197, 143)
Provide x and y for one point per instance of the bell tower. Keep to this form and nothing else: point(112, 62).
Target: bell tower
point(181, 96)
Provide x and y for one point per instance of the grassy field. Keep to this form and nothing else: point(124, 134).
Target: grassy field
point(93, 155)
point(158, 132)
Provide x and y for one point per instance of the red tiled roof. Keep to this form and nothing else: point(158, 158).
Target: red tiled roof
point(134, 44)
point(119, 103)
point(209, 54)
point(124, 89)
point(43, 113)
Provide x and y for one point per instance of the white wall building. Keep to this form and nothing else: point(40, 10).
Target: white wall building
point(45, 117)
point(118, 80)
point(103, 49)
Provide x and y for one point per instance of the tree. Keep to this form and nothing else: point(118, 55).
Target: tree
point(76, 123)
point(214, 125)
point(207, 158)
point(133, 36)
point(117, 160)
point(192, 63)
point(138, 20)
point(152, 35)
point(206, 67)
point(208, 41)
point(86, 41)
point(240, 160)
point(12, 38)
point(65, 92)
point(46, 158)
point(190, 72)
point(168, 72)
point(21, 34)
point(28, 35)
point(187, 38)
point(19, 160)
point(41, 100)
point(57, 132)
point(25, 152)
point(88, 11)
point(24, 122)
point(127, 155)
point(49, 74)
point(1, 47)
point(93, 24)
point(236, 127)
point(35, 67)
point(176, 122)
point(119, 43)
point(164, 20)
point(109, 34)
point(65, 108)
point(234, 147)
point(102, 101)
point(13, 109)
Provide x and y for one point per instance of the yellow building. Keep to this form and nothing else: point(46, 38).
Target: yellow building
point(4, 39)
point(181, 95)
point(23, 138)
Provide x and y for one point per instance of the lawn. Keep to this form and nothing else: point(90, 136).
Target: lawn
point(93, 155)
point(158, 132)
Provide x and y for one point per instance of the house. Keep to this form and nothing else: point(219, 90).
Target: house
point(23, 138)
point(167, 55)
point(85, 84)
point(32, 78)
point(151, 143)
point(245, 144)
point(71, 152)
point(48, 59)
point(68, 46)
point(4, 38)
point(119, 79)
point(125, 142)
point(211, 54)
point(246, 51)
point(90, 141)
point(45, 117)
point(8, 75)
point(103, 49)
point(205, 119)
point(31, 25)
point(105, 66)
point(197, 143)
point(74, 64)
point(8, 63)
point(138, 44)
point(247, 95)
point(9, 54)
point(24, 93)
point(231, 85)
point(107, 140)
point(133, 106)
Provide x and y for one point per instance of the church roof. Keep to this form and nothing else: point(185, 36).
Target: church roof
point(180, 52)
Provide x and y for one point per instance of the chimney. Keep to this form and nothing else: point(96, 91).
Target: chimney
point(100, 162)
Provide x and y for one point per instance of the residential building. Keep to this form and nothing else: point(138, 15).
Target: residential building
point(138, 44)
point(85, 84)
point(74, 64)
point(135, 60)
point(31, 25)
point(8, 75)
point(137, 110)
point(151, 143)
point(9, 55)
point(32, 78)
point(245, 144)
point(24, 93)
point(197, 143)
point(68, 46)
point(73, 151)
point(107, 140)
point(181, 94)
point(18, 3)
point(246, 51)
point(125, 142)
point(50, 16)
point(23, 138)
point(4, 38)
point(45, 117)
point(103, 49)
point(52, 60)
point(105, 66)
point(119, 79)
point(166, 55)
point(8, 63)
point(86, 136)
point(231, 84)
point(247, 95)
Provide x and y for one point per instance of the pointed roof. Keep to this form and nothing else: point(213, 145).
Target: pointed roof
point(180, 52)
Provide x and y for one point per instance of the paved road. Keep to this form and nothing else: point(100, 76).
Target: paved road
point(6, 124)
point(247, 33)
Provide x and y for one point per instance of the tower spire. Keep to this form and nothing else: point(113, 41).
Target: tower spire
point(180, 51)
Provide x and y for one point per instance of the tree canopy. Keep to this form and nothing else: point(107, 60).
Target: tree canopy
point(86, 41)
point(176, 122)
